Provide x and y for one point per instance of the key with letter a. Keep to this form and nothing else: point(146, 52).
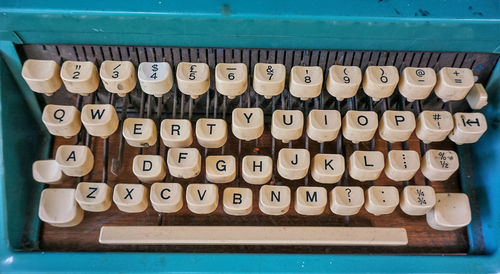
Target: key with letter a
point(310, 200)
point(396, 126)
point(202, 198)
point(274, 200)
point(469, 127)
point(306, 82)
point(93, 197)
point(237, 201)
point(366, 165)
point(118, 76)
point(62, 120)
point(155, 78)
point(166, 197)
point(100, 120)
point(42, 76)
point(439, 165)
point(193, 79)
point(75, 160)
point(380, 81)
point(80, 77)
point(247, 123)
point(323, 125)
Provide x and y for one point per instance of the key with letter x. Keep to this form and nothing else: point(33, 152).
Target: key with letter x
point(131, 198)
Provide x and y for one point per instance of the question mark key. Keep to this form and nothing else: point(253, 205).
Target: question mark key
point(346, 201)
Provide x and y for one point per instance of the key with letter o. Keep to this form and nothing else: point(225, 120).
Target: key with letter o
point(359, 126)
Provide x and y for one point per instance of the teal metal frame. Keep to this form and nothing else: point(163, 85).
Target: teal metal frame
point(459, 25)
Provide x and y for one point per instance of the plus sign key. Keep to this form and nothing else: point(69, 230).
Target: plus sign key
point(453, 83)
point(469, 127)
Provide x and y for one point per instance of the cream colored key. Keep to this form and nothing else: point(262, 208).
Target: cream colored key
point(211, 133)
point(439, 165)
point(343, 81)
point(176, 132)
point(274, 200)
point(100, 120)
point(359, 126)
point(416, 83)
point(310, 200)
point(477, 97)
point(75, 160)
point(149, 168)
point(433, 126)
point(155, 78)
point(62, 120)
point(59, 208)
point(293, 163)
point(452, 211)
point(381, 200)
point(184, 162)
point(47, 172)
point(380, 81)
point(247, 123)
point(118, 76)
point(417, 200)
point(323, 125)
point(93, 197)
point(256, 169)
point(366, 165)
point(396, 126)
point(131, 198)
point(401, 165)
point(287, 125)
point(220, 169)
point(231, 80)
point(469, 127)
point(453, 83)
point(42, 76)
point(306, 82)
point(166, 197)
point(80, 77)
point(346, 200)
point(237, 201)
point(327, 168)
point(139, 132)
point(193, 79)
point(269, 79)
point(202, 198)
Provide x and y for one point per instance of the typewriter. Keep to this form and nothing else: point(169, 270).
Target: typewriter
point(251, 150)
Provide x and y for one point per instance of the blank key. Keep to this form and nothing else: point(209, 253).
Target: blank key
point(59, 208)
point(42, 76)
point(47, 172)
point(452, 211)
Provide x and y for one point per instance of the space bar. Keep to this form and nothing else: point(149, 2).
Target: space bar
point(252, 235)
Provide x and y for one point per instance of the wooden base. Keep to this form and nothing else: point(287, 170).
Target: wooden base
point(421, 238)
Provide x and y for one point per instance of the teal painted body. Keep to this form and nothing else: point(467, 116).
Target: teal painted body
point(467, 26)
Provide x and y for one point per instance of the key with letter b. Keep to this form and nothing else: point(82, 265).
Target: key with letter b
point(366, 165)
point(237, 201)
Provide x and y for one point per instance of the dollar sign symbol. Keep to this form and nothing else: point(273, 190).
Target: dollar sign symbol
point(155, 67)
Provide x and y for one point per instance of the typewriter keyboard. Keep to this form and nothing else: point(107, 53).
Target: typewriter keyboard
point(193, 153)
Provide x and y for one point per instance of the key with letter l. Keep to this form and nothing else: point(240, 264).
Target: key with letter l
point(366, 165)
point(118, 76)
